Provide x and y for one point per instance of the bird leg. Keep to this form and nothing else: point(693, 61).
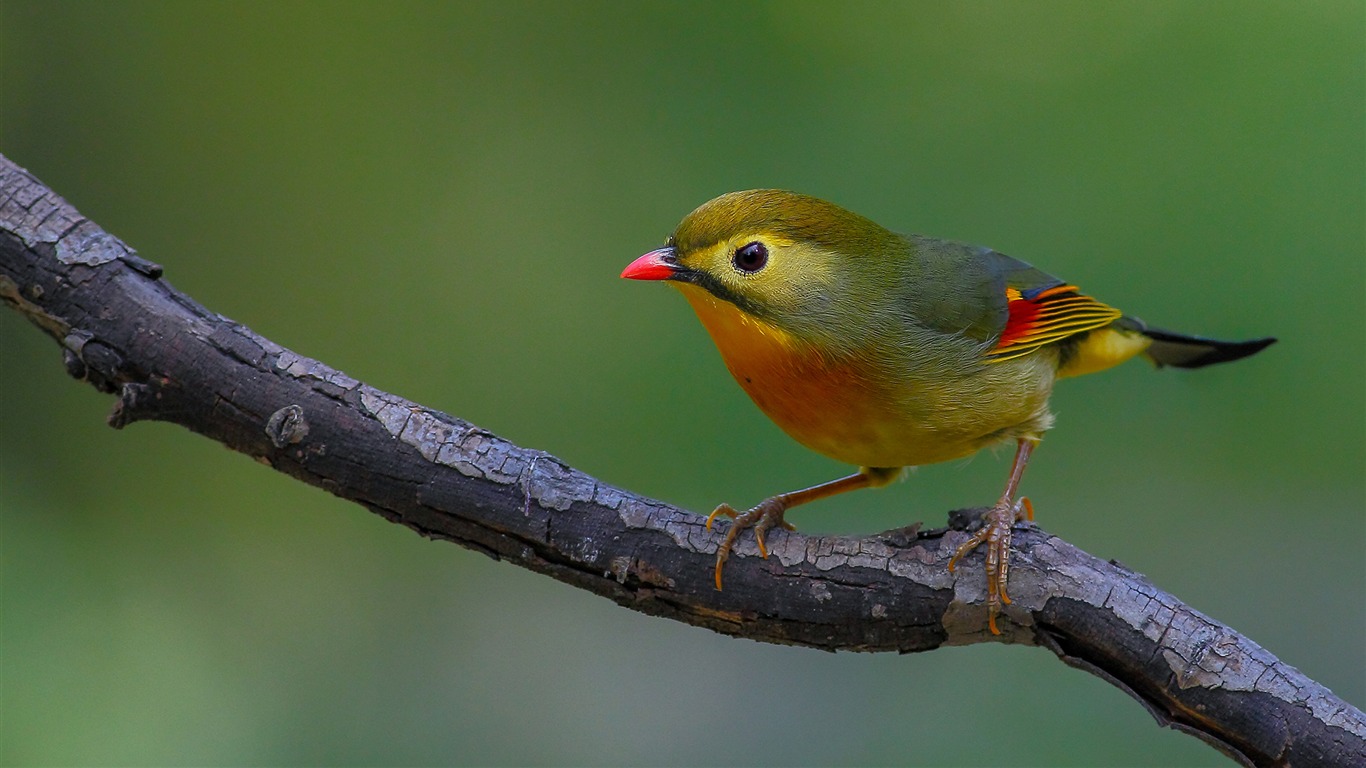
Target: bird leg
point(995, 533)
point(768, 513)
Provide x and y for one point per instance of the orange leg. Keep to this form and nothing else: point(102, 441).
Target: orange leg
point(769, 513)
point(995, 532)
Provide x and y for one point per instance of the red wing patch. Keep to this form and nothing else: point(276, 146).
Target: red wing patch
point(1039, 317)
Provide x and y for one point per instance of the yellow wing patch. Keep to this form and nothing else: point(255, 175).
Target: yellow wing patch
point(1040, 317)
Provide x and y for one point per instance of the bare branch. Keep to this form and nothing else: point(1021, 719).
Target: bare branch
point(126, 331)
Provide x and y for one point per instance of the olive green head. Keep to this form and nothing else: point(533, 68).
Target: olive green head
point(796, 261)
point(779, 215)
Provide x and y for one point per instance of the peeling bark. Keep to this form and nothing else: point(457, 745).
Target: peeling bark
point(125, 330)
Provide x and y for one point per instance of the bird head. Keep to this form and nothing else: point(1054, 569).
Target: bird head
point(796, 262)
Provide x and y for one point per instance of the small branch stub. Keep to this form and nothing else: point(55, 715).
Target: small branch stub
point(287, 426)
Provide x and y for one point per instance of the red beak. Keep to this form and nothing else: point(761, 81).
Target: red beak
point(655, 265)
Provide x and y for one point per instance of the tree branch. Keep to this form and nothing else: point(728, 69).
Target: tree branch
point(126, 331)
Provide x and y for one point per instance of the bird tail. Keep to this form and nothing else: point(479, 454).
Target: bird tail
point(1181, 351)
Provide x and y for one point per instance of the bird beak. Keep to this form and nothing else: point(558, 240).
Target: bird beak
point(661, 264)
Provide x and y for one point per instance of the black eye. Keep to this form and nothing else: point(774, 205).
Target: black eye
point(750, 257)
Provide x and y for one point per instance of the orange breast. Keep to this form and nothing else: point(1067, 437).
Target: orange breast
point(824, 403)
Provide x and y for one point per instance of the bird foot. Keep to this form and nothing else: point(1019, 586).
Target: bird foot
point(762, 517)
point(995, 533)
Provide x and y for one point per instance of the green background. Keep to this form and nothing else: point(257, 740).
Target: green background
point(437, 199)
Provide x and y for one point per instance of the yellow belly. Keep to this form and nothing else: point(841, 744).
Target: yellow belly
point(837, 407)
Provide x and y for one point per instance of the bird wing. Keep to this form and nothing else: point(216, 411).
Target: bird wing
point(1044, 315)
point(992, 297)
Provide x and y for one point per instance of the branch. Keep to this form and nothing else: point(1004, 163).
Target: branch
point(126, 331)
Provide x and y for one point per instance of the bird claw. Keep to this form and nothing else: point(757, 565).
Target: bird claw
point(762, 517)
point(996, 533)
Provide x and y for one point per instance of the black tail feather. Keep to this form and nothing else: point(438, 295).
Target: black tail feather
point(1182, 351)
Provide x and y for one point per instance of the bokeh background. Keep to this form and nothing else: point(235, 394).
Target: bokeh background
point(437, 199)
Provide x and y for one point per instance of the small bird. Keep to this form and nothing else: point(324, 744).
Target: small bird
point(889, 351)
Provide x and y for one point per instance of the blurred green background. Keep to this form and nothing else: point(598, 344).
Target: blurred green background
point(437, 199)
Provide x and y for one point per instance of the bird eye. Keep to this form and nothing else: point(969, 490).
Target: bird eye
point(750, 257)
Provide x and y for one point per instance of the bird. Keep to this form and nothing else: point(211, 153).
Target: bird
point(887, 351)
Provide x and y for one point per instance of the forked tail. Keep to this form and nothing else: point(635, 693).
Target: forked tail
point(1181, 351)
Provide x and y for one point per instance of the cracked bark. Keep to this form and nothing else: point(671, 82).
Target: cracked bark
point(125, 330)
